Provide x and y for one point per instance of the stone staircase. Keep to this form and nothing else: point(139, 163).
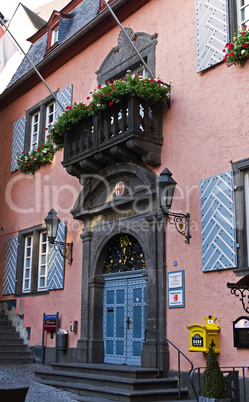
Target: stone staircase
point(109, 382)
point(12, 348)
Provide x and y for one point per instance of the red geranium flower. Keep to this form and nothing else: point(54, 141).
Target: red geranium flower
point(38, 149)
point(110, 103)
point(25, 163)
point(245, 44)
point(106, 94)
point(46, 128)
point(232, 53)
point(99, 86)
point(100, 95)
point(51, 147)
point(88, 97)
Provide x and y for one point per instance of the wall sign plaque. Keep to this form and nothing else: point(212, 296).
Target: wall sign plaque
point(49, 323)
point(176, 291)
point(241, 332)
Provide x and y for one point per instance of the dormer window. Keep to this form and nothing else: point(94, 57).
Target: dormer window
point(55, 35)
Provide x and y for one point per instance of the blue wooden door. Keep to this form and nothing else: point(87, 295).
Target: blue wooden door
point(124, 319)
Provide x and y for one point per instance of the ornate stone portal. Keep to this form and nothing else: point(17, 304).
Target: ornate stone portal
point(121, 200)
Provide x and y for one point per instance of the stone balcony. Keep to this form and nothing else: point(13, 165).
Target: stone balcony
point(130, 131)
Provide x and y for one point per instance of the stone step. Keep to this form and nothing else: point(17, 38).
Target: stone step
point(15, 352)
point(5, 329)
point(19, 347)
point(108, 381)
point(4, 321)
point(113, 370)
point(10, 341)
point(17, 359)
point(94, 399)
point(10, 335)
point(118, 394)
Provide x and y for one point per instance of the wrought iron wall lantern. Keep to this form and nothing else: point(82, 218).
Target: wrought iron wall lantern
point(241, 290)
point(65, 249)
point(166, 188)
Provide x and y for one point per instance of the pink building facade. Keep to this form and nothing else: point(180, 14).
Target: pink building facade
point(201, 139)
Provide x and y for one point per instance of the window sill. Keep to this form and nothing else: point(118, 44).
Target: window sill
point(241, 271)
point(32, 294)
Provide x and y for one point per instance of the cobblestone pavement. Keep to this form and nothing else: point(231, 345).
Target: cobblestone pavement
point(15, 376)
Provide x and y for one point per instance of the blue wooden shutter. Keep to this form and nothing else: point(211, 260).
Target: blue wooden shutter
point(56, 262)
point(211, 18)
point(218, 234)
point(65, 98)
point(17, 141)
point(10, 264)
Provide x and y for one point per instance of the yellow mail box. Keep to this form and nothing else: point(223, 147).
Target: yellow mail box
point(202, 337)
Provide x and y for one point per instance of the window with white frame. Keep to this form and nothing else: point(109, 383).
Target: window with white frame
point(27, 264)
point(43, 262)
point(243, 12)
point(246, 180)
point(241, 198)
point(35, 124)
point(50, 115)
point(55, 35)
point(39, 118)
point(32, 262)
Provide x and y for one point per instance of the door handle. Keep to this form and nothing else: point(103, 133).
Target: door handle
point(128, 322)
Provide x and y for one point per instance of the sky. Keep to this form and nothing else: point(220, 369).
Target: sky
point(7, 8)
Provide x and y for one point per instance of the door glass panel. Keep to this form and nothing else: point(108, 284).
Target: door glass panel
point(110, 297)
point(144, 321)
point(120, 296)
point(137, 322)
point(137, 295)
point(109, 347)
point(120, 322)
point(136, 350)
point(110, 323)
point(120, 348)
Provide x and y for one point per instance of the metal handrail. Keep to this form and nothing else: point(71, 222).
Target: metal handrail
point(180, 353)
point(224, 369)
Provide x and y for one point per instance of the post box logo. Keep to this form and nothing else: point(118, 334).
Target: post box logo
point(119, 189)
point(175, 298)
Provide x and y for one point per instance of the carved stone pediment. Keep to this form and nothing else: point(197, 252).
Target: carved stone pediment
point(123, 56)
point(99, 195)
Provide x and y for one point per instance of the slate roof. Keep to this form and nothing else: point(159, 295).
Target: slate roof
point(81, 16)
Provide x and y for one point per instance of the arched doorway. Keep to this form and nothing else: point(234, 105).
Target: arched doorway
point(106, 217)
point(124, 301)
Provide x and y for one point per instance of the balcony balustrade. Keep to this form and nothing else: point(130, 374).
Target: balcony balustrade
point(130, 131)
